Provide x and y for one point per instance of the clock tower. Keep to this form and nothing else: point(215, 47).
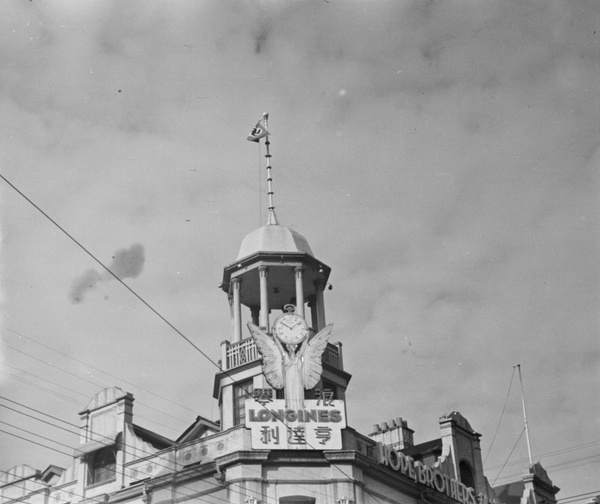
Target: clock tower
point(275, 267)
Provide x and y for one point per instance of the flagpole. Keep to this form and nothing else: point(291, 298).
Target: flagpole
point(260, 221)
point(272, 218)
point(525, 417)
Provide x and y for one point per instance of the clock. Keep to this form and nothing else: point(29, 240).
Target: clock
point(291, 329)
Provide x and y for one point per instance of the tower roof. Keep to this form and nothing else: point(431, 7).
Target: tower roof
point(280, 248)
point(274, 238)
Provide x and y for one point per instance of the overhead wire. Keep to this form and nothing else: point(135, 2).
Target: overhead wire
point(35, 442)
point(507, 458)
point(46, 380)
point(108, 270)
point(58, 395)
point(578, 497)
point(561, 466)
point(38, 419)
point(97, 369)
point(549, 454)
point(101, 497)
point(92, 383)
point(148, 453)
point(501, 416)
point(503, 478)
point(63, 420)
point(34, 434)
point(111, 440)
point(169, 467)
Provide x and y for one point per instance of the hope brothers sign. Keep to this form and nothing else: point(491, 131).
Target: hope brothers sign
point(430, 477)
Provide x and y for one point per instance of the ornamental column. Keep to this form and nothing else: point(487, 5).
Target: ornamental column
point(298, 274)
point(236, 310)
point(312, 304)
point(320, 304)
point(263, 273)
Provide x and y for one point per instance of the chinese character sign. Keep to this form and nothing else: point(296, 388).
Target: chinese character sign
point(316, 426)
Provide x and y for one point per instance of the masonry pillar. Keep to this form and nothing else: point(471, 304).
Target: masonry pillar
point(237, 310)
point(298, 275)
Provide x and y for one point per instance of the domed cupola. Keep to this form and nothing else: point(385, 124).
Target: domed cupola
point(274, 238)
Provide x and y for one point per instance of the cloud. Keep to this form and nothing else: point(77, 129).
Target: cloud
point(126, 263)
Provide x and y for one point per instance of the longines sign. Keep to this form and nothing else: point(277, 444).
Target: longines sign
point(431, 477)
point(317, 426)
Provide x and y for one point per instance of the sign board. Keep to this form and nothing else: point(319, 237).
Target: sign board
point(317, 426)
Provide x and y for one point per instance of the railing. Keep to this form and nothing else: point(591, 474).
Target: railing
point(245, 351)
point(241, 353)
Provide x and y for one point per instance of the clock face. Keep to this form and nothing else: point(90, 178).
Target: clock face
point(291, 329)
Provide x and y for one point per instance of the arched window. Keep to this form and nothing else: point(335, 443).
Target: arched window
point(466, 474)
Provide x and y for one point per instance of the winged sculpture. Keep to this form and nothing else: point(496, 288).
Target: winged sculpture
point(291, 368)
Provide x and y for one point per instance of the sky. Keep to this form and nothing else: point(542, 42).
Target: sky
point(441, 157)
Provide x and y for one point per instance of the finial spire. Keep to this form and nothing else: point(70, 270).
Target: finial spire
point(271, 217)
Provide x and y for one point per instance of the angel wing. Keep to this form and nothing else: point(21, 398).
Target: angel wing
point(311, 353)
point(271, 363)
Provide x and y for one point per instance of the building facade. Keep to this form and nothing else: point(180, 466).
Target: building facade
point(266, 447)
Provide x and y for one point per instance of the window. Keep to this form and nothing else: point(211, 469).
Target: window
point(102, 465)
point(241, 390)
point(466, 474)
point(297, 499)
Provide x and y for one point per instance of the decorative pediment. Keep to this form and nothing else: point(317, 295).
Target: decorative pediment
point(458, 420)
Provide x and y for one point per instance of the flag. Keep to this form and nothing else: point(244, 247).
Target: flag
point(258, 132)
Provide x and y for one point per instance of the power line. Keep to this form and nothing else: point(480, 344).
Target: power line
point(46, 380)
point(549, 454)
point(35, 442)
point(569, 464)
point(58, 395)
point(68, 446)
point(34, 434)
point(100, 435)
point(114, 275)
point(174, 491)
point(97, 369)
point(38, 419)
point(90, 382)
point(566, 500)
point(111, 440)
point(68, 423)
point(114, 470)
point(507, 458)
point(501, 416)
point(38, 411)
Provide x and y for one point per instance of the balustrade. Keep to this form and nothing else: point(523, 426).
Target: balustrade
point(245, 351)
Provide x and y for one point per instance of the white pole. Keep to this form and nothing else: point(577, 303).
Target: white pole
point(525, 417)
